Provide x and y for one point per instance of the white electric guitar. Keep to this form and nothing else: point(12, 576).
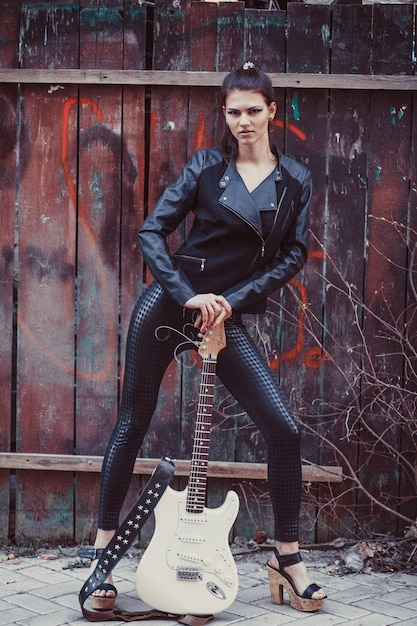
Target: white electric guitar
point(188, 566)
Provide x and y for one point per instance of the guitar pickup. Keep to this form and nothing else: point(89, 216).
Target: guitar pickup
point(189, 573)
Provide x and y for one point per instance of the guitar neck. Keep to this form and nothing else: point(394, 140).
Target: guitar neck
point(196, 496)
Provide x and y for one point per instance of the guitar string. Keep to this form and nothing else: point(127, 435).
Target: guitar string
point(198, 470)
point(199, 464)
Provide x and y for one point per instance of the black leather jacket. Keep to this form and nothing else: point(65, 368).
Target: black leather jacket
point(232, 249)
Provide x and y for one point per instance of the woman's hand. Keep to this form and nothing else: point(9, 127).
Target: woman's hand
point(213, 309)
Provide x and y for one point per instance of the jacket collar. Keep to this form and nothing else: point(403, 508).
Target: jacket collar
point(236, 197)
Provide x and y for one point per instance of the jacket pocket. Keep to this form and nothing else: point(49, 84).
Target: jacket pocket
point(190, 262)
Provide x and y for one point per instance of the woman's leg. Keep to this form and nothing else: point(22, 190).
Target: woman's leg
point(147, 358)
point(244, 372)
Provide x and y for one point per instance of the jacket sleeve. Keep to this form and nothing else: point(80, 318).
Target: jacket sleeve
point(170, 210)
point(289, 260)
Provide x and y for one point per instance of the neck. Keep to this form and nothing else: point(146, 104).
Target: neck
point(255, 154)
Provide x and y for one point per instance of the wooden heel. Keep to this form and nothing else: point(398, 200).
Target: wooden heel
point(275, 585)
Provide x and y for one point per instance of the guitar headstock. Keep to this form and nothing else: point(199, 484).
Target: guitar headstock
point(213, 341)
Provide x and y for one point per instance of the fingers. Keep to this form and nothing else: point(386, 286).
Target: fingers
point(213, 309)
point(213, 313)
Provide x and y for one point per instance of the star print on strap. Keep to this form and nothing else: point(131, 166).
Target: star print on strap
point(129, 528)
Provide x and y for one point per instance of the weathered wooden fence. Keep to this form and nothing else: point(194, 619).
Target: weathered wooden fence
point(100, 107)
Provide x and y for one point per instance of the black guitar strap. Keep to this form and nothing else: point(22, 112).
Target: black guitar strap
point(116, 548)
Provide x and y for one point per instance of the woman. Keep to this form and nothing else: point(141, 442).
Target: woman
point(249, 238)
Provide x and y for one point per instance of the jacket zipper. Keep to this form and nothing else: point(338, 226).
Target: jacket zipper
point(265, 241)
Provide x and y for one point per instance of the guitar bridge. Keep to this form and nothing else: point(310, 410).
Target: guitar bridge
point(189, 573)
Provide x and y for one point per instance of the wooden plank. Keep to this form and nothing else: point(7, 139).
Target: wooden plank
point(98, 254)
point(344, 280)
point(205, 116)
point(408, 229)
point(50, 37)
point(45, 346)
point(392, 50)
point(300, 80)
point(171, 40)
point(301, 357)
point(9, 125)
point(101, 37)
point(134, 35)
point(9, 108)
point(351, 39)
point(133, 168)
point(308, 39)
point(265, 41)
point(216, 469)
point(230, 36)
point(344, 264)
point(9, 33)
point(99, 187)
point(389, 158)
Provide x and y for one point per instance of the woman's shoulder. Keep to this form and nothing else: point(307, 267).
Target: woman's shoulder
point(206, 161)
point(208, 156)
point(294, 168)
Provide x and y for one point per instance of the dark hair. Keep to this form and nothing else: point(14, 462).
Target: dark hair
point(250, 77)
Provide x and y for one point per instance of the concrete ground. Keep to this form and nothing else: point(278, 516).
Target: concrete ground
point(43, 591)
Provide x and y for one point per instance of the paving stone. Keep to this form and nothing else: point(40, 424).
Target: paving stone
point(405, 579)
point(13, 614)
point(254, 592)
point(374, 619)
point(401, 596)
point(22, 585)
point(44, 573)
point(321, 619)
point(386, 608)
point(57, 618)
point(33, 603)
point(8, 575)
point(245, 609)
point(265, 619)
point(347, 611)
point(54, 591)
point(356, 593)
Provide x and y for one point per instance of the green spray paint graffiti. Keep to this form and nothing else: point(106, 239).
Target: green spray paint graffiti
point(295, 107)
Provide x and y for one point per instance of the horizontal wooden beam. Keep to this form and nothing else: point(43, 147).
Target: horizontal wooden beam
point(203, 79)
point(216, 469)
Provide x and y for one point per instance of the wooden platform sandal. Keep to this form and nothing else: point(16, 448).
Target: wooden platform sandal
point(99, 603)
point(278, 579)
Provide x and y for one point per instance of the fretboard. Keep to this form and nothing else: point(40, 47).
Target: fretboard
point(196, 496)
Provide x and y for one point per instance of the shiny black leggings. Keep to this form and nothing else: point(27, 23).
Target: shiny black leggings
point(245, 374)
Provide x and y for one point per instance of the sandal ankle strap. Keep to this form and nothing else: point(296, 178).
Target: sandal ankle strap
point(91, 553)
point(286, 560)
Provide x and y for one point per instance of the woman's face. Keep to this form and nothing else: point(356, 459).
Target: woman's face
point(247, 115)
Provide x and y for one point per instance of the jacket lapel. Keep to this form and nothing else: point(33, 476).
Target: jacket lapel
point(235, 197)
